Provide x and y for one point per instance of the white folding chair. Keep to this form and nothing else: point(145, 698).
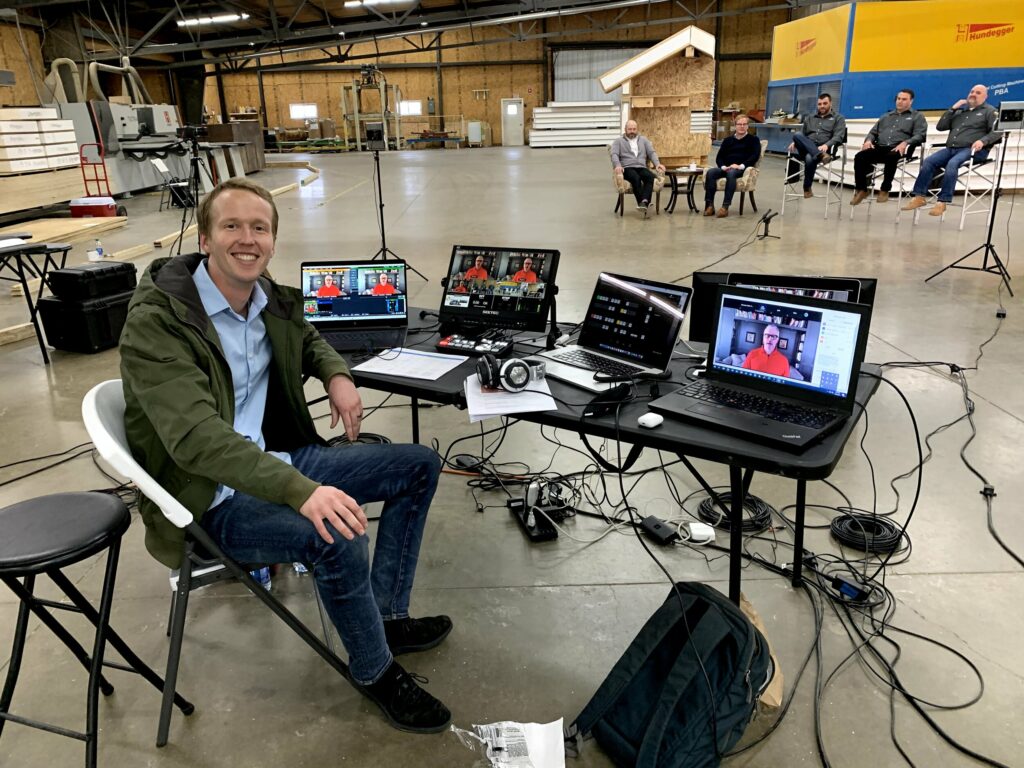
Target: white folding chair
point(103, 413)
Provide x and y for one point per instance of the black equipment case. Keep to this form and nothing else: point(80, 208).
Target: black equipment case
point(85, 326)
point(95, 278)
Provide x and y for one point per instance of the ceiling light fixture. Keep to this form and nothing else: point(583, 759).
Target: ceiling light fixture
point(361, 3)
point(224, 18)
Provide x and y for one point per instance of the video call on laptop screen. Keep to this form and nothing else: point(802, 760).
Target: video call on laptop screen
point(806, 347)
point(634, 319)
point(339, 292)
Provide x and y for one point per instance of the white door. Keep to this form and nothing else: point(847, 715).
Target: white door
point(512, 123)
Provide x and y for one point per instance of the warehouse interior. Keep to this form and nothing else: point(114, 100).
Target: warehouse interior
point(537, 626)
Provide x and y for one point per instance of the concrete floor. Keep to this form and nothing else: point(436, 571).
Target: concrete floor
point(537, 627)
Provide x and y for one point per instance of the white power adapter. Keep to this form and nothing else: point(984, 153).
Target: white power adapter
point(699, 533)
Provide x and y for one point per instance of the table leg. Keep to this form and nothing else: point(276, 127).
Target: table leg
point(32, 310)
point(690, 186)
point(671, 207)
point(798, 533)
point(415, 419)
point(735, 533)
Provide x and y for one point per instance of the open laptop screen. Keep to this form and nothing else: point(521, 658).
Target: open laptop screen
point(804, 345)
point(337, 294)
point(634, 319)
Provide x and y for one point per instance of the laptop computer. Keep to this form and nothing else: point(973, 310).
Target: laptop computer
point(629, 331)
point(782, 369)
point(357, 306)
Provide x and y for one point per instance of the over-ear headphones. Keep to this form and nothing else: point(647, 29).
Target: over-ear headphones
point(512, 375)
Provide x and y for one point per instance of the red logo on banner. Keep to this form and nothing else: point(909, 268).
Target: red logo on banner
point(806, 46)
point(969, 33)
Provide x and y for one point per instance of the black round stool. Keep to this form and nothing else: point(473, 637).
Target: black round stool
point(41, 536)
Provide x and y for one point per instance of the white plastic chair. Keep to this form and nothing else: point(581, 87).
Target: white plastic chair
point(103, 413)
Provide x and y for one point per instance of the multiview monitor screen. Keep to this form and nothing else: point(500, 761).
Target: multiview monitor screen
point(499, 287)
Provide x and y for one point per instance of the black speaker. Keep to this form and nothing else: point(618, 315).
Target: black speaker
point(512, 375)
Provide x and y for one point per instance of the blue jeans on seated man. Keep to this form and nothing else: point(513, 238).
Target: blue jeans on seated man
point(950, 158)
point(711, 185)
point(808, 151)
point(358, 595)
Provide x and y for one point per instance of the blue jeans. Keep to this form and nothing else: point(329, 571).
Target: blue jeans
point(711, 185)
point(808, 150)
point(358, 596)
point(950, 158)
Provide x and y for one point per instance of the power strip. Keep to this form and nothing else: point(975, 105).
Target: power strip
point(536, 526)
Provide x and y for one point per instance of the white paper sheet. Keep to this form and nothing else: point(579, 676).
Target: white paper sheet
point(412, 363)
point(517, 745)
point(483, 404)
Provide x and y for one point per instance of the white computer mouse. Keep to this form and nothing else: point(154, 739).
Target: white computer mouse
point(650, 420)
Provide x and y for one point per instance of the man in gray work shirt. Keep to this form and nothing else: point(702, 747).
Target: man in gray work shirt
point(817, 141)
point(892, 138)
point(630, 153)
point(972, 130)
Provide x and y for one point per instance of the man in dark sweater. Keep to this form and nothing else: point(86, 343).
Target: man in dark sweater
point(737, 153)
point(972, 130)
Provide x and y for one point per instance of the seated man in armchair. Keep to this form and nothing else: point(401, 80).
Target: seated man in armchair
point(630, 155)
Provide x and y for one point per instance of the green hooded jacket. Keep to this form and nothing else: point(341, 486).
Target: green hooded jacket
point(180, 409)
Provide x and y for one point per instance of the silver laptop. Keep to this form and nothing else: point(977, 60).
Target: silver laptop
point(629, 332)
point(357, 306)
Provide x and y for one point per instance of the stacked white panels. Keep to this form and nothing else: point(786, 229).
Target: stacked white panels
point(34, 139)
point(575, 124)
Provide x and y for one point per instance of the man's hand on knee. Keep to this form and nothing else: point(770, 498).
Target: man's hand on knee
point(328, 504)
point(346, 405)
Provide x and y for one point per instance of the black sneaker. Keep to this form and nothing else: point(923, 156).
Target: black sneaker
point(411, 635)
point(406, 706)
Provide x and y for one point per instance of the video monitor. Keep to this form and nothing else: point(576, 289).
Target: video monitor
point(859, 290)
point(499, 287)
point(352, 293)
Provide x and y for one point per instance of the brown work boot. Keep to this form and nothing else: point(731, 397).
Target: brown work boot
point(858, 197)
point(722, 213)
point(915, 202)
point(882, 197)
point(709, 210)
point(938, 209)
point(808, 194)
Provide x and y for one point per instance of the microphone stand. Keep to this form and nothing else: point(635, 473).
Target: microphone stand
point(997, 267)
point(383, 253)
point(767, 220)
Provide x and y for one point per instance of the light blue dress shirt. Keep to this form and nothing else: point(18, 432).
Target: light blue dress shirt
point(248, 353)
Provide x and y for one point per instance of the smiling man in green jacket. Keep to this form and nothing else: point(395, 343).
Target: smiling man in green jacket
point(213, 357)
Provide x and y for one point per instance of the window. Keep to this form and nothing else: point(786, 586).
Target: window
point(302, 111)
point(411, 108)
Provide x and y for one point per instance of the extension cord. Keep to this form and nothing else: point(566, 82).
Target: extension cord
point(535, 525)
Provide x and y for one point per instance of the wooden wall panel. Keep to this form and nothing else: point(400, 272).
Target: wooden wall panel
point(12, 57)
point(743, 81)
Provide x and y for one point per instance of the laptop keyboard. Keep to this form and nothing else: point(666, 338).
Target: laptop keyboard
point(813, 418)
point(583, 359)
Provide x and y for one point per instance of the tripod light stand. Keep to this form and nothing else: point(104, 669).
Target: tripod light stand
point(384, 252)
point(987, 248)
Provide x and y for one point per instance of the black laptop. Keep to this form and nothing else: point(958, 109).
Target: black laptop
point(782, 370)
point(629, 332)
point(356, 305)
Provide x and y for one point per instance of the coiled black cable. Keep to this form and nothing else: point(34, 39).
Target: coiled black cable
point(868, 533)
point(757, 515)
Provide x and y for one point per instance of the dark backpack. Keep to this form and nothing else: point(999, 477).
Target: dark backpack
point(654, 709)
